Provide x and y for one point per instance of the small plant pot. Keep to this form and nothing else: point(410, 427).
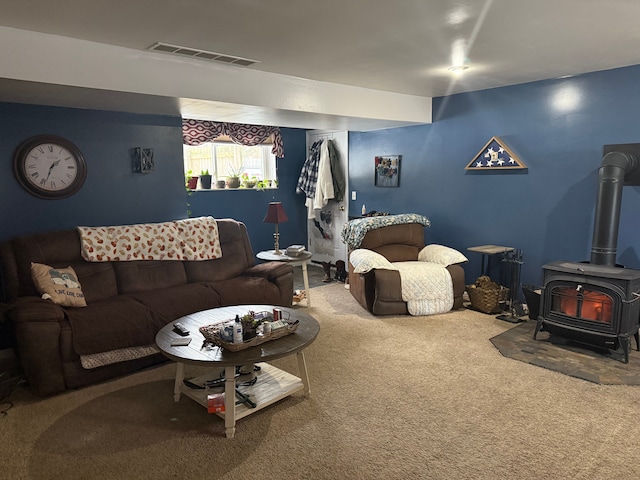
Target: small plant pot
point(205, 181)
point(192, 183)
point(248, 333)
point(233, 182)
point(220, 184)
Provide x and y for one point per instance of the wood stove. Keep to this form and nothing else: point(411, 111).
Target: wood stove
point(598, 302)
point(594, 304)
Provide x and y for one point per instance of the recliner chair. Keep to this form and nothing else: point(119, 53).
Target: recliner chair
point(380, 290)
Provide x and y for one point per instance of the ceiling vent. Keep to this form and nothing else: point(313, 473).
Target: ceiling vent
point(202, 54)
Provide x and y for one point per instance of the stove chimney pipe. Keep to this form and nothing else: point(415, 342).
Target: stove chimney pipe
point(615, 166)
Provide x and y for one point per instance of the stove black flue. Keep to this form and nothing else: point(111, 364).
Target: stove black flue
point(598, 303)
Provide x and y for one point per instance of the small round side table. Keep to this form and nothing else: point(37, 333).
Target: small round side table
point(298, 261)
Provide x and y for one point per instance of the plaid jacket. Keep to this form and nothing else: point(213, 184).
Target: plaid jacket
point(309, 174)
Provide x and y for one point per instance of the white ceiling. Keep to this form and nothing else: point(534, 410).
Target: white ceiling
point(401, 47)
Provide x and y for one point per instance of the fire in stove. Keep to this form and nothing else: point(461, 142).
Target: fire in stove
point(598, 302)
point(584, 304)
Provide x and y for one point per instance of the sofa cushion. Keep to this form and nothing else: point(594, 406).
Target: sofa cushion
point(140, 276)
point(398, 243)
point(167, 304)
point(411, 234)
point(237, 255)
point(246, 290)
point(399, 252)
point(58, 249)
point(98, 280)
point(215, 270)
point(116, 322)
point(60, 285)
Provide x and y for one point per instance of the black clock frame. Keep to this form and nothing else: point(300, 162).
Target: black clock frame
point(19, 159)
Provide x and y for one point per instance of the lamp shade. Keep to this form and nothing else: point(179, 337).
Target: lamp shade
point(275, 213)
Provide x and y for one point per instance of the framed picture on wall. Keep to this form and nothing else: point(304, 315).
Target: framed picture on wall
point(387, 171)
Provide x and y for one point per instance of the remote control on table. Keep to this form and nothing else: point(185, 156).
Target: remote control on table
point(180, 329)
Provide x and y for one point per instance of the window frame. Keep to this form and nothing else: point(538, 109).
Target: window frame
point(268, 162)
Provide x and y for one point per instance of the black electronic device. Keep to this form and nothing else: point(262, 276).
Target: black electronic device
point(180, 329)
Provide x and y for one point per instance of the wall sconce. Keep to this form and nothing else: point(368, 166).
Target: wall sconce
point(142, 160)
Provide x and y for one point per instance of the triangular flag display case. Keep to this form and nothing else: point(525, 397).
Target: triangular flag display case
point(495, 155)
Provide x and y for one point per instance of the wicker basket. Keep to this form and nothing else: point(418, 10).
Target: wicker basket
point(486, 295)
point(484, 299)
point(211, 334)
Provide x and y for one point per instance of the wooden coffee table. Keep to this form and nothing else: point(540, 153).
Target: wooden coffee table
point(272, 383)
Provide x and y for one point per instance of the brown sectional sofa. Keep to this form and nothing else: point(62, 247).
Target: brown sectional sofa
point(380, 291)
point(127, 302)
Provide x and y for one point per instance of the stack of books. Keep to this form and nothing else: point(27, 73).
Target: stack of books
point(295, 250)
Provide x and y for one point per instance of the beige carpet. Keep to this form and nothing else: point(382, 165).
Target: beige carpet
point(392, 398)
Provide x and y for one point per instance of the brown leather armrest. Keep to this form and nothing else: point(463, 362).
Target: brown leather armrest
point(269, 270)
point(34, 309)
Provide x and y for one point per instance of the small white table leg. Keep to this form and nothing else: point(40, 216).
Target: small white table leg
point(178, 382)
point(230, 401)
point(305, 277)
point(304, 376)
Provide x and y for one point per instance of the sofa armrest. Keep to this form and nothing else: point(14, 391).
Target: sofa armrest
point(278, 273)
point(457, 277)
point(37, 326)
point(269, 270)
point(34, 309)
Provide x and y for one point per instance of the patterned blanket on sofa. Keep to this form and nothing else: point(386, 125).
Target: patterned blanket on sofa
point(189, 239)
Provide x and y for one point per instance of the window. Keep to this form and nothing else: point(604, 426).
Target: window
point(224, 159)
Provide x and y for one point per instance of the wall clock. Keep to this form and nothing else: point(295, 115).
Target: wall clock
point(49, 166)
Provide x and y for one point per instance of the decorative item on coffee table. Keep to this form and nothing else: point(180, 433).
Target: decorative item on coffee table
point(212, 333)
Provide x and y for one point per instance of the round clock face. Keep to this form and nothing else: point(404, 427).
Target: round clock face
point(49, 166)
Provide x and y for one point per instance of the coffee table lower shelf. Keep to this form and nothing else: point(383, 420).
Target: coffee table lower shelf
point(271, 386)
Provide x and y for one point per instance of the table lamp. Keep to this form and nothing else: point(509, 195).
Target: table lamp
point(275, 214)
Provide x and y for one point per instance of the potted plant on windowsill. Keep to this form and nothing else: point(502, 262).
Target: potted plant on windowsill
point(249, 182)
point(233, 179)
point(190, 180)
point(205, 179)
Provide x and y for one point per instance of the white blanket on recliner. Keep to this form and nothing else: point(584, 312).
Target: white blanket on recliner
point(427, 287)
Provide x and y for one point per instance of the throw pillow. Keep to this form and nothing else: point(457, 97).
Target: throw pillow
point(60, 285)
point(364, 260)
point(445, 256)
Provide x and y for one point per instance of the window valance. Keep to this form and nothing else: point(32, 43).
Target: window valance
point(196, 132)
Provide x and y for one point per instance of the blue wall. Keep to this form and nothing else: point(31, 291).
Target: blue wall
point(113, 195)
point(557, 128)
point(250, 206)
